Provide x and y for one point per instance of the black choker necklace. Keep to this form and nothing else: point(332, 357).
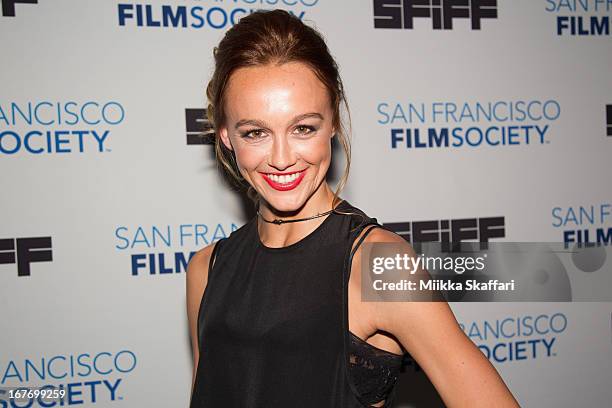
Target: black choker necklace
point(278, 221)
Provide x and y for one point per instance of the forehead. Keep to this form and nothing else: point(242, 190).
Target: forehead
point(274, 92)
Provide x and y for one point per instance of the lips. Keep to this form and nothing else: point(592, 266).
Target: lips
point(284, 181)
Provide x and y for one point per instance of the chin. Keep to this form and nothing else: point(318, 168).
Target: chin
point(288, 204)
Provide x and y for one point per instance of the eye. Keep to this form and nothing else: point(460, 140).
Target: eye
point(304, 129)
point(253, 134)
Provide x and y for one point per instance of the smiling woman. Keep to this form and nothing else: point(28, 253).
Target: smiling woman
point(274, 312)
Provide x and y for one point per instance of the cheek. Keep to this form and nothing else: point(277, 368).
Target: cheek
point(249, 157)
point(316, 150)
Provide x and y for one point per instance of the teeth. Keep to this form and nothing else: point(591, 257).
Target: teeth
point(283, 179)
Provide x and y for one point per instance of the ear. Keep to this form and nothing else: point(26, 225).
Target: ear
point(225, 138)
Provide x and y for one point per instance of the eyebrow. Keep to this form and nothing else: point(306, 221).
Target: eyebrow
point(261, 123)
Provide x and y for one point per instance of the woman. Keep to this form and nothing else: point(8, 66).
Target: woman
point(281, 323)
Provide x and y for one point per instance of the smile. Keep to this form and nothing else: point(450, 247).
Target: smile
point(284, 182)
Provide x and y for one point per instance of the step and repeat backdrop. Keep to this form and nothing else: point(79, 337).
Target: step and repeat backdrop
point(472, 119)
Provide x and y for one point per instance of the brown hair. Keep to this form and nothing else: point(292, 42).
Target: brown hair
point(265, 37)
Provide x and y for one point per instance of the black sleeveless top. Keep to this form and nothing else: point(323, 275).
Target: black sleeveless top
point(273, 324)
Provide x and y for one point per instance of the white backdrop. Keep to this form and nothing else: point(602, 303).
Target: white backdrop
point(94, 160)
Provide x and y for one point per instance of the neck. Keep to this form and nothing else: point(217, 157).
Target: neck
point(280, 235)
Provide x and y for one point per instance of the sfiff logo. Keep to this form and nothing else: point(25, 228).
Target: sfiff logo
point(24, 251)
point(456, 230)
point(401, 13)
point(8, 6)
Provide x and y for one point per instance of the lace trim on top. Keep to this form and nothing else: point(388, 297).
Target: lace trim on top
point(373, 371)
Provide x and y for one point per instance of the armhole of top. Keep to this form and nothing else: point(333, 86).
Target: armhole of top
point(213, 255)
point(211, 262)
point(391, 397)
point(346, 336)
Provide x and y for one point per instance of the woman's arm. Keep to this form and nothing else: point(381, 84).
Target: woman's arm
point(197, 277)
point(459, 371)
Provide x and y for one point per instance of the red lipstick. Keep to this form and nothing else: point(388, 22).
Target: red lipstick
point(277, 185)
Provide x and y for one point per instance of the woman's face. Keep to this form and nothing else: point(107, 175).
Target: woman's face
point(279, 124)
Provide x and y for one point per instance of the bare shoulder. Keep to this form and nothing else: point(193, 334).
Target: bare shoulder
point(197, 279)
point(375, 235)
point(382, 235)
point(364, 316)
point(198, 264)
point(395, 316)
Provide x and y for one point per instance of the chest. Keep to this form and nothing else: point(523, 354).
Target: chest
point(284, 300)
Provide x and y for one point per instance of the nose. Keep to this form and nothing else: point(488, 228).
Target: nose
point(282, 155)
